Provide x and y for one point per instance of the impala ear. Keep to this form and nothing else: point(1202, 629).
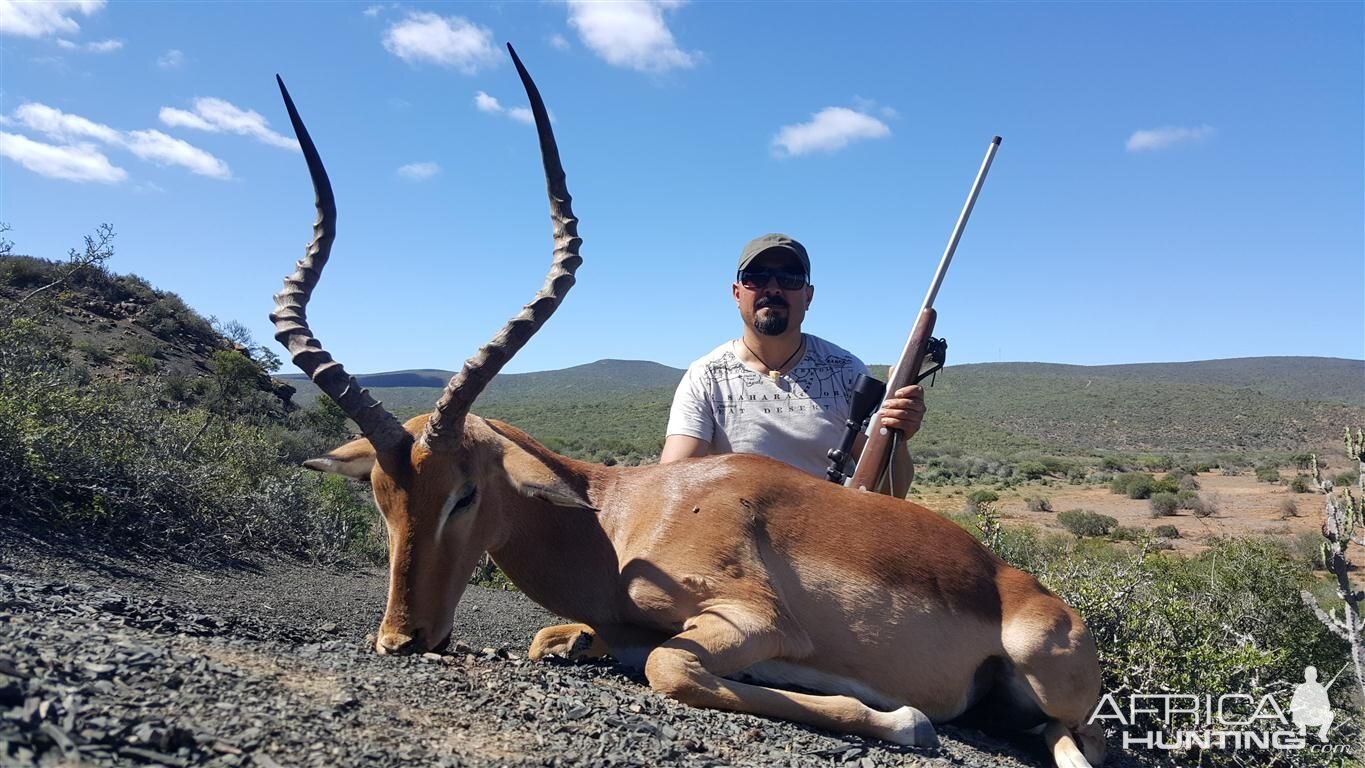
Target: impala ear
point(354, 459)
point(532, 477)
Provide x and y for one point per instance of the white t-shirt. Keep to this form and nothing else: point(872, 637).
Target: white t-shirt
point(738, 410)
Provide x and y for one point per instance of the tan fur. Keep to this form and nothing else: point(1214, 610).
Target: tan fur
point(712, 569)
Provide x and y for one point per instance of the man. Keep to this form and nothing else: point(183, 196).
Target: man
point(775, 390)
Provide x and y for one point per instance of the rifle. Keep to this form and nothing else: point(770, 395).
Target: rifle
point(873, 471)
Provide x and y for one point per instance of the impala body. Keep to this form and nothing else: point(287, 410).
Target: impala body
point(722, 577)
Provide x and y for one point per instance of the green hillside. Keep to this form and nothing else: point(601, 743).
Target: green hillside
point(1250, 405)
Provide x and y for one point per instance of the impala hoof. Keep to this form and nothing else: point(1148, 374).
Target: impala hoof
point(910, 727)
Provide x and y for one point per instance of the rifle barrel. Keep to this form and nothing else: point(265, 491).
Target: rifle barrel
point(961, 224)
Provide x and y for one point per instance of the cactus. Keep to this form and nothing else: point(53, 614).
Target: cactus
point(1341, 527)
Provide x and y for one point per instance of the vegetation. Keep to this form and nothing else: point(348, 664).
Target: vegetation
point(1164, 504)
point(201, 466)
point(979, 498)
point(1038, 503)
point(1083, 522)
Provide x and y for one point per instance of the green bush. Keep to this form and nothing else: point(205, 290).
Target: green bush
point(1301, 484)
point(1164, 504)
point(114, 460)
point(977, 498)
point(1166, 531)
point(1268, 473)
point(1229, 620)
point(1134, 485)
point(1038, 503)
point(1086, 523)
point(142, 364)
point(1347, 478)
point(1031, 470)
point(1156, 463)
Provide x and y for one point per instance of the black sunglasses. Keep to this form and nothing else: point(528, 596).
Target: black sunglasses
point(757, 279)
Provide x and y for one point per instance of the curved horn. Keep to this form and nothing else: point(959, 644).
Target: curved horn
point(447, 421)
point(291, 319)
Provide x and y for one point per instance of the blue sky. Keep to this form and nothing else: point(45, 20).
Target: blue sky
point(1177, 181)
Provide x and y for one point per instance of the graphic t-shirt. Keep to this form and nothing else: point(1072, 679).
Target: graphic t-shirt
point(738, 410)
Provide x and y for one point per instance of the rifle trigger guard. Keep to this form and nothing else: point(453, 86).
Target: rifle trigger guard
point(937, 353)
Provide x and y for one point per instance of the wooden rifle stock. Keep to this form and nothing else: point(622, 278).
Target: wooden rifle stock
point(871, 473)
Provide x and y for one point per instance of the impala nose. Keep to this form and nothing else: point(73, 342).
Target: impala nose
point(399, 644)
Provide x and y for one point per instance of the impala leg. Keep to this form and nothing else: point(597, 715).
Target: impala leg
point(572, 641)
point(692, 665)
point(1058, 667)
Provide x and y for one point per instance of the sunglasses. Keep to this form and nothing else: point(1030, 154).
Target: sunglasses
point(757, 279)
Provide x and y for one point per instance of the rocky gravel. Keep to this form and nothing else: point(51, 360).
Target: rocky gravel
point(139, 662)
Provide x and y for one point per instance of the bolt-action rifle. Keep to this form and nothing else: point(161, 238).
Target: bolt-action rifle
point(873, 471)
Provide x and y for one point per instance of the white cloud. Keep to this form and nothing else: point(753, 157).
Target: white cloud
point(157, 147)
point(40, 19)
point(62, 126)
point(448, 41)
point(171, 59)
point(486, 103)
point(219, 116)
point(830, 129)
point(492, 106)
point(373, 10)
point(102, 46)
point(418, 171)
point(559, 42)
point(153, 146)
point(80, 163)
point(630, 34)
point(1162, 138)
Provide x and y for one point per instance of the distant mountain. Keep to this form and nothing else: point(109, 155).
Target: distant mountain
point(604, 377)
point(1243, 405)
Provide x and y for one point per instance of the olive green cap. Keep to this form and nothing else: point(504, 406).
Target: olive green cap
point(774, 242)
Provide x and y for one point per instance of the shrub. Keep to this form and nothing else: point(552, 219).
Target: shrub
point(1165, 485)
point(1188, 483)
point(1031, 470)
point(1164, 504)
point(142, 364)
point(1204, 507)
point(1229, 620)
point(1135, 485)
point(1186, 498)
point(1268, 473)
point(1038, 503)
point(1112, 464)
point(1348, 478)
point(1156, 463)
point(1288, 509)
point(1083, 522)
point(1166, 531)
point(1300, 484)
point(977, 498)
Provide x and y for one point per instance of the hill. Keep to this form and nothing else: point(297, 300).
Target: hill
point(1246, 405)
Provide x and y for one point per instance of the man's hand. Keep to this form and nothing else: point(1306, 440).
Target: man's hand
point(905, 411)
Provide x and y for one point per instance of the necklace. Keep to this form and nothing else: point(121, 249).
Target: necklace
point(773, 373)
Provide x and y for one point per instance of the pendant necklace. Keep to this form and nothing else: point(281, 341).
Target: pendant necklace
point(774, 373)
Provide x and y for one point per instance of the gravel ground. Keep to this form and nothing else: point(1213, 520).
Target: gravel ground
point(135, 661)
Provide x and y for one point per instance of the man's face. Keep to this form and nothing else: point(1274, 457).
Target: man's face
point(770, 309)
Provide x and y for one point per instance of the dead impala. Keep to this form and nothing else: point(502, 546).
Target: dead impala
point(721, 576)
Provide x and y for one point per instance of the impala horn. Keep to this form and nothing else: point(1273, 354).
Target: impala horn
point(290, 317)
point(447, 421)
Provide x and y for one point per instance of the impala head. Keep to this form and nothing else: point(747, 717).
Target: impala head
point(439, 479)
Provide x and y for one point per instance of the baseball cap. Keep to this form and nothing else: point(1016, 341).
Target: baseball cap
point(774, 242)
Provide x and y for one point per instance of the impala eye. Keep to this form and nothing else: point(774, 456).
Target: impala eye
point(465, 500)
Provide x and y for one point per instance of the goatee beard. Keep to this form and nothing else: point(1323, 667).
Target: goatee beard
point(771, 324)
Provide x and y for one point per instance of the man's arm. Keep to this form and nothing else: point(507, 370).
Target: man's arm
point(683, 447)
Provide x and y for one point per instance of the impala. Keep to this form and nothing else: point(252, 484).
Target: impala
point(725, 577)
